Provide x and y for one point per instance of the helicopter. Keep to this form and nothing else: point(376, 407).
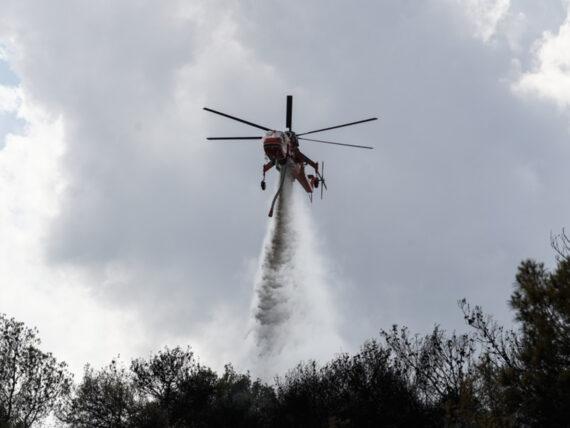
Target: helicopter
point(282, 151)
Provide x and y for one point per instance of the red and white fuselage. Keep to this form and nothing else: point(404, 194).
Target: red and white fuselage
point(282, 148)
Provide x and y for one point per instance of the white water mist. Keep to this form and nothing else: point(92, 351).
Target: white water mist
point(293, 312)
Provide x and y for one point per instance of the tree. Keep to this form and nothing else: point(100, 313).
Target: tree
point(32, 382)
point(364, 390)
point(441, 370)
point(239, 402)
point(301, 397)
point(488, 377)
point(173, 384)
point(499, 354)
point(105, 399)
point(539, 391)
point(367, 389)
point(525, 374)
point(160, 376)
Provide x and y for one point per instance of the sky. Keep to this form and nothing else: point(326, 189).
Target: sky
point(123, 230)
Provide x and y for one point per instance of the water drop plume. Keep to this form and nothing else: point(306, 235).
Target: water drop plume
point(293, 311)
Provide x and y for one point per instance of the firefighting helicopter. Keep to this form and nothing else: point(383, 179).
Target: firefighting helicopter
point(282, 151)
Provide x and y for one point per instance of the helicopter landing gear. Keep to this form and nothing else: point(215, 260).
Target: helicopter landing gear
point(266, 168)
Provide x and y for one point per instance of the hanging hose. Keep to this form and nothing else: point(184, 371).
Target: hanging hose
point(283, 174)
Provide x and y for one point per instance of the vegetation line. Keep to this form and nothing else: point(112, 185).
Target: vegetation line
point(486, 377)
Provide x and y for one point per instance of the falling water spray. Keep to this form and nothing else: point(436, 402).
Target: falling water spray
point(293, 313)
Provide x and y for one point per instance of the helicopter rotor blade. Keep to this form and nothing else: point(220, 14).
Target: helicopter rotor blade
point(238, 119)
point(233, 138)
point(336, 144)
point(339, 126)
point(289, 117)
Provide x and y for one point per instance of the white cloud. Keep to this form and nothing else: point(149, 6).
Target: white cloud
point(550, 77)
point(486, 15)
point(115, 183)
point(149, 229)
point(57, 300)
point(10, 98)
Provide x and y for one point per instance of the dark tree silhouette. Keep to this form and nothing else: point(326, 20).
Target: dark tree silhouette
point(499, 354)
point(239, 402)
point(364, 390)
point(181, 392)
point(32, 382)
point(440, 368)
point(177, 389)
point(525, 374)
point(489, 376)
point(161, 376)
point(105, 398)
point(539, 388)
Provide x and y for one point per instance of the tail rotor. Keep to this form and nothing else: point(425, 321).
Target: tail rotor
point(322, 179)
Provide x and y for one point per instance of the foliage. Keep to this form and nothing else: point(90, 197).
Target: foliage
point(489, 376)
point(105, 398)
point(358, 391)
point(440, 368)
point(539, 388)
point(32, 382)
point(169, 389)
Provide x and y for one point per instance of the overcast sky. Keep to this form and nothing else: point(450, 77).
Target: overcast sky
point(122, 229)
